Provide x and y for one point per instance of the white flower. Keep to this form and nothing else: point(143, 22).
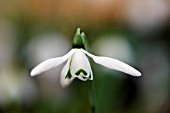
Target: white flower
point(78, 66)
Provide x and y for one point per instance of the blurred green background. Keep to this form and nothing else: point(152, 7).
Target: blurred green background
point(136, 32)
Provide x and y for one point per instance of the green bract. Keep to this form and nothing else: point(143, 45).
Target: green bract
point(79, 39)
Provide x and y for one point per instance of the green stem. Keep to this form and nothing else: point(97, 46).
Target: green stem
point(92, 97)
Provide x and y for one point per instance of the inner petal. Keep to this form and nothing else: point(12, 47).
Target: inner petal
point(80, 64)
point(83, 78)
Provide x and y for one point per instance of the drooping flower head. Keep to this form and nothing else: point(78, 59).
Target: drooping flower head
point(78, 65)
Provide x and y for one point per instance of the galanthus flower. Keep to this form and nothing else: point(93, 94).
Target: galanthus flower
point(77, 63)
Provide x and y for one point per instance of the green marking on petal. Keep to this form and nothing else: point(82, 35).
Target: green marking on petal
point(68, 75)
point(81, 71)
point(84, 77)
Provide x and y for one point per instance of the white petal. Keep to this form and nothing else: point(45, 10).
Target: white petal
point(114, 64)
point(80, 64)
point(50, 63)
point(63, 80)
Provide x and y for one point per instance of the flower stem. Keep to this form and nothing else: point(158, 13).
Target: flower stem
point(92, 97)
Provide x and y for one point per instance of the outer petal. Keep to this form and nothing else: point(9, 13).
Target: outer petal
point(65, 81)
point(50, 63)
point(80, 66)
point(114, 64)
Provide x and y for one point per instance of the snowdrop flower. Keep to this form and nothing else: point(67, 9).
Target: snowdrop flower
point(78, 66)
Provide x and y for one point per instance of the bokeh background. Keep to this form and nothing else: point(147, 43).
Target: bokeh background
point(134, 31)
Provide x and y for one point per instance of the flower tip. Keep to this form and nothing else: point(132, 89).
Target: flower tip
point(33, 73)
point(78, 31)
point(64, 83)
point(137, 74)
